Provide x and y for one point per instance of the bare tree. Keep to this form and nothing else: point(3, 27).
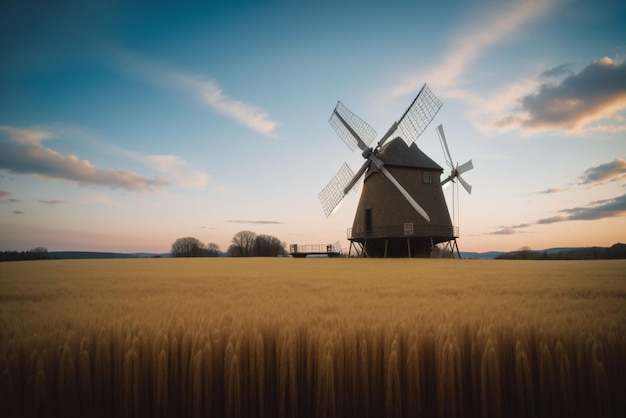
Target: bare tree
point(212, 249)
point(243, 244)
point(268, 246)
point(187, 247)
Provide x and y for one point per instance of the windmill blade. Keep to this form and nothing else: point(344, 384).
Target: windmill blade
point(354, 131)
point(390, 131)
point(465, 167)
point(465, 184)
point(419, 115)
point(406, 194)
point(333, 193)
point(356, 177)
point(442, 139)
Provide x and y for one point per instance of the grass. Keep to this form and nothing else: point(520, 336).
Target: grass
point(312, 338)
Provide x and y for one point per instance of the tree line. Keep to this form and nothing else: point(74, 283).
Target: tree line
point(617, 251)
point(243, 244)
point(38, 253)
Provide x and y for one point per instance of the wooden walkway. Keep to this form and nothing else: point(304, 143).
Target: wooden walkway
point(316, 250)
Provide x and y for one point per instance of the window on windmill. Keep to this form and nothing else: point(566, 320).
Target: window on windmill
point(427, 177)
point(408, 228)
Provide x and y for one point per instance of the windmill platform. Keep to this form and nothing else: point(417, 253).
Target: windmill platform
point(316, 250)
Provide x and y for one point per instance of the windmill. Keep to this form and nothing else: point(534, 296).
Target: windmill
point(455, 173)
point(402, 211)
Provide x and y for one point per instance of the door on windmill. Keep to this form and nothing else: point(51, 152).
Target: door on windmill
point(368, 221)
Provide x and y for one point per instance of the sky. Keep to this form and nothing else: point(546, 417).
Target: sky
point(125, 125)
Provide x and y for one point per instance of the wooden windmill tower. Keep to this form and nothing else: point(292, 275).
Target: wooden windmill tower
point(402, 211)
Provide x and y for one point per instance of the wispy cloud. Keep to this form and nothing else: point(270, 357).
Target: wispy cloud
point(212, 94)
point(469, 43)
point(597, 92)
point(3, 197)
point(29, 136)
point(21, 151)
point(255, 222)
point(601, 209)
point(53, 202)
point(613, 171)
point(558, 71)
point(178, 171)
point(18, 212)
point(506, 230)
point(204, 88)
point(551, 191)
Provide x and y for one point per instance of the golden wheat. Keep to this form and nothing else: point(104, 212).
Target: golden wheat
point(312, 338)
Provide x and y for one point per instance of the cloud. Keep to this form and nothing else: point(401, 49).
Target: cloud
point(53, 202)
point(204, 88)
point(255, 222)
point(601, 209)
point(23, 153)
point(552, 220)
point(613, 171)
point(4, 193)
point(212, 94)
point(469, 43)
point(18, 212)
point(597, 92)
point(31, 136)
point(177, 170)
point(558, 71)
point(551, 191)
point(505, 231)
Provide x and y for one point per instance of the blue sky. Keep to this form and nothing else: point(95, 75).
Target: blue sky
point(126, 125)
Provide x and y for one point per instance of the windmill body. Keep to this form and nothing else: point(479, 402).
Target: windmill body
point(402, 211)
point(385, 224)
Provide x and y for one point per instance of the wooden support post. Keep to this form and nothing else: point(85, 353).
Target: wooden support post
point(457, 249)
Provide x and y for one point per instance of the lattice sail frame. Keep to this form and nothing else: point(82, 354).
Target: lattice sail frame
point(355, 132)
point(332, 194)
point(362, 128)
point(418, 116)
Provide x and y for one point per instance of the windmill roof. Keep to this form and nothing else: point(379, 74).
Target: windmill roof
point(398, 153)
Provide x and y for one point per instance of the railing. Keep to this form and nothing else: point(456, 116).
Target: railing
point(315, 248)
point(402, 231)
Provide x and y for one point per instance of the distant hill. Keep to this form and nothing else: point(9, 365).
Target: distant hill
point(84, 255)
point(617, 251)
point(489, 255)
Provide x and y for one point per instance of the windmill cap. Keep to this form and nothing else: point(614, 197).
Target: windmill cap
point(398, 153)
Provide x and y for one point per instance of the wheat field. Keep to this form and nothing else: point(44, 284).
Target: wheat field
point(214, 337)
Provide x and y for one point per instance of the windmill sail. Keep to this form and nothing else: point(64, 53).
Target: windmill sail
point(353, 130)
point(331, 195)
point(418, 115)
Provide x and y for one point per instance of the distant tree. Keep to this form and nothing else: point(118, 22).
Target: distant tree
point(212, 249)
point(233, 251)
point(243, 244)
point(187, 247)
point(37, 253)
point(268, 246)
